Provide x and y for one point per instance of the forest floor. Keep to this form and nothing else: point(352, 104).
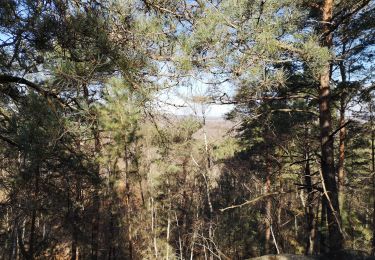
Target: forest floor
point(341, 255)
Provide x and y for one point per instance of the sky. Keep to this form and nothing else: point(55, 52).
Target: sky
point(177, 100)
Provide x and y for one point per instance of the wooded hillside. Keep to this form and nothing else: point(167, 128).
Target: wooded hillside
point(93, 167)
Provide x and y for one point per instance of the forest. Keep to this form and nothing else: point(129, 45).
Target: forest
point(97, 162)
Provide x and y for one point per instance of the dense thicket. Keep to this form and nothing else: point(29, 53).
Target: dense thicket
point(91, 167)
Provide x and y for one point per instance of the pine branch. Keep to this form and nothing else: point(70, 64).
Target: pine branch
point(4, 78)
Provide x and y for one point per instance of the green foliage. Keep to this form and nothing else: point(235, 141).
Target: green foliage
point(315, 55)
point(226, 149)
point(89, 166)
point(120, 111)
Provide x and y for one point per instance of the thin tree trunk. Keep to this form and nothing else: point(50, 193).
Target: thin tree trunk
point(168, 220)
point(96, 198)
point(206, 175)
point(323, 225)
point(21, 237)
point(74, 246)
point(95, 226)
point(327, 153)
point(33, 216)
point(75, 233)
point(342, 136)
point(268, 213)
point(16, 251)
point(13, 250)
point(318, 230)
point(32, 235)
point(179, 237)
point(168, 233)
point(153, 229)
point(127, 203)
point(96, 204)
point(311, 230)
point(192, 246)
point(142, 194)
point(75, 220)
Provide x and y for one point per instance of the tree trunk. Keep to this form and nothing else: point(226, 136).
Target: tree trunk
point(179, 237)
point(75, 233)
point(327, 156)
point(309, 208)
point(95, 226)
point(74, 246)
point(323, 226)
point(32, 235)
point(96, 196)
point(96, 204)
point(268, 211)
point(13, 249)
point(342, 136)
point(168, 220)
point(74, 223)
point(153, 227)
point(21, 232)
point(206, 176)
point(33, 216)
point(311, 231)
point(127, 203)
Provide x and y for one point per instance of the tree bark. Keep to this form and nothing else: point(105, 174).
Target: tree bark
point(342, 136)
point(153, 226)
point(96, 197)
point(95, 226)
point(127, 203)
point(268, 216)
point(13, 249)
point(327, 152)
point(31, 252)
point(179, 237)
point(74, 246)
point(206, 176)
point(311, 231)
point(323, 226)
point(75, 233)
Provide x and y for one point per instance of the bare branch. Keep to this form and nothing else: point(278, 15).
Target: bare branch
point(255, 200)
